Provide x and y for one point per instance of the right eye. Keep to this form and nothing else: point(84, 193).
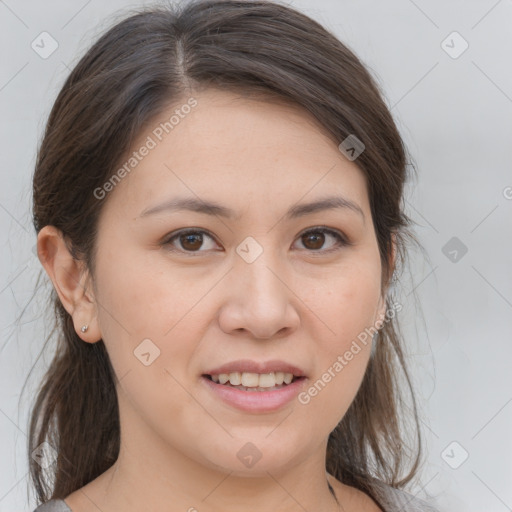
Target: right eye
point(190, 240)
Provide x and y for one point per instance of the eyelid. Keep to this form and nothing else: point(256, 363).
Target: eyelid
point(342, 239)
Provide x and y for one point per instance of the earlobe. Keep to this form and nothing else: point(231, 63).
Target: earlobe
point(70, 280)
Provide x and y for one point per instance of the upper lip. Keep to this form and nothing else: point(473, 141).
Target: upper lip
point(250, 366)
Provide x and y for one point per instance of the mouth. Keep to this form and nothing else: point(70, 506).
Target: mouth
point(255, 386)
point(254, 382)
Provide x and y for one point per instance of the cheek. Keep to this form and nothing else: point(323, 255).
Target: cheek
point(347, 306)
point(138, 311)
point(142, 317)
point(348, 303)
point(143, 295)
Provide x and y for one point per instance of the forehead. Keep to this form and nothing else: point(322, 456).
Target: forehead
point(237, 149)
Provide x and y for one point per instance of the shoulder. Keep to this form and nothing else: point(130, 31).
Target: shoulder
point(53, 506)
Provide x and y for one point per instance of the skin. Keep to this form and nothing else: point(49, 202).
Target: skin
point(204, 308)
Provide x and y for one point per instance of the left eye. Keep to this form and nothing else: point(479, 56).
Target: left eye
point(313, 239)
point(316, 237)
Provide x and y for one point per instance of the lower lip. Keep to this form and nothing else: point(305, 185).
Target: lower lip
point(256, 401)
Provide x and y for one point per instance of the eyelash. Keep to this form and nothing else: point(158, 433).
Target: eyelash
point(342, 241)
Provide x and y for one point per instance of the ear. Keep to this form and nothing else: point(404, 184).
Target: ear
point(69, 280)
point(381, 308)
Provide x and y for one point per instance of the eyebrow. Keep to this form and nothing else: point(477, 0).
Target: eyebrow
point(213, 208)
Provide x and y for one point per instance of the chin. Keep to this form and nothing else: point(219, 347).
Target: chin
point(258, 455)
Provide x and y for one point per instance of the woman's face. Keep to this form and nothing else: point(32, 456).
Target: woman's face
point(255, 288)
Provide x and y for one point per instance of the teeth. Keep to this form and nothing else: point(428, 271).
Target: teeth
point(250, 380)
point(254, 380)
point(235, 378)
point(267, 380)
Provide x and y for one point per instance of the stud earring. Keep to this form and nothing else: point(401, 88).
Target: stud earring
point(84, 328)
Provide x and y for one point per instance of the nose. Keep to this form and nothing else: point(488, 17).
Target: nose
point(258, 300)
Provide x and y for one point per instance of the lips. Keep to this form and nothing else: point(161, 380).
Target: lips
point(255, 387)
point(249, 375)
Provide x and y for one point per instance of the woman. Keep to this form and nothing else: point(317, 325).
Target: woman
point(217, 199)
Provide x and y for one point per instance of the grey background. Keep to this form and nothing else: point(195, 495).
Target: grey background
point(455, 115)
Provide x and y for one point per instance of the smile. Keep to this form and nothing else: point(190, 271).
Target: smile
point(254, 399)
point(247, 381)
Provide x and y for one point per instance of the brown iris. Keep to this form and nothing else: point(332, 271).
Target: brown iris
point(191, 241)
point(317, 239)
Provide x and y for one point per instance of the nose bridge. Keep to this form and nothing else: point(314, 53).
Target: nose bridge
point(258, 301)
point(258, 274)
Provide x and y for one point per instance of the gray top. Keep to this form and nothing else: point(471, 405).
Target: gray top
point(395, 500)
point(53, 506)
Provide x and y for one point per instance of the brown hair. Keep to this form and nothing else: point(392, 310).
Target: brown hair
point(131, 74)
